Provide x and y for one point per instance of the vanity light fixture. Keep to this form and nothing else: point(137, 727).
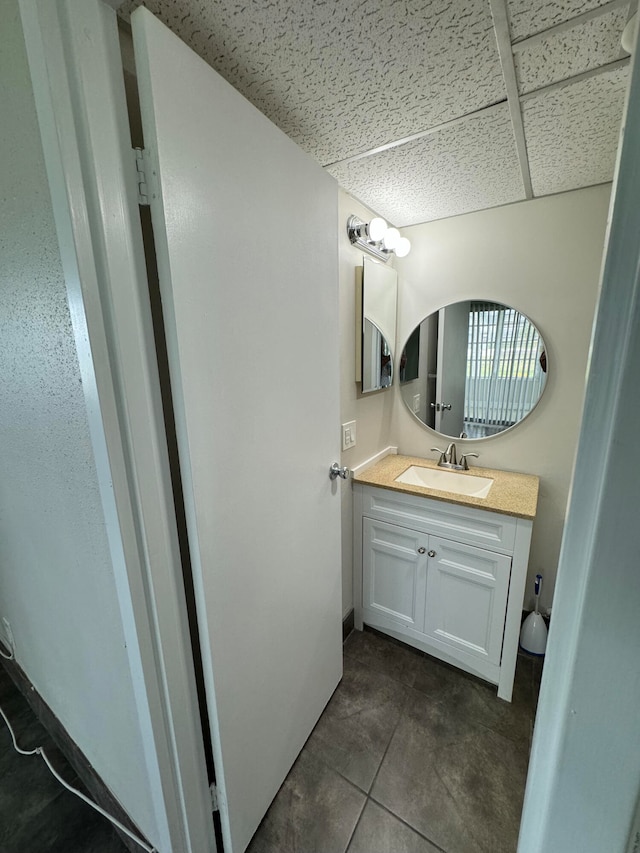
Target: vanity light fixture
point(377, 238)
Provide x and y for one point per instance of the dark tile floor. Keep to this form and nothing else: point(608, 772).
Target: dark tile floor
point(37, 815)
point(410, 756)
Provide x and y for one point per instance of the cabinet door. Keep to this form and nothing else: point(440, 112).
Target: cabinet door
point(394, 572)
point(466, 598)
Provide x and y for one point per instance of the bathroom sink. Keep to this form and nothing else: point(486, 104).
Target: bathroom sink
point(446, 481)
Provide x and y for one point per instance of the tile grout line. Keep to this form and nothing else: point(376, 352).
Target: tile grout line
point(408, 690)
point(384, 754)
point(406, 702)
point(357, 824)
point(407, 824)
point(370, 796)
point(368, 793)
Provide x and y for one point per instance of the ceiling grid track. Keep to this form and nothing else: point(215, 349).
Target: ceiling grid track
point(567, 26)
point(492, 101)
point(503, 39)
point(576, 78)
point(506, 49)
point(492, 108)
point(485, 111)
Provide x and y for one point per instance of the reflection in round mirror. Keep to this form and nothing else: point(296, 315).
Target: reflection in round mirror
point(377, 361)
point(473, 369)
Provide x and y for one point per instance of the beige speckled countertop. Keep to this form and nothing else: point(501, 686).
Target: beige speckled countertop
point(511, 493)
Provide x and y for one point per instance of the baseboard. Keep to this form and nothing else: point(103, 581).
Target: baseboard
point(97, 789)
point(347, 625)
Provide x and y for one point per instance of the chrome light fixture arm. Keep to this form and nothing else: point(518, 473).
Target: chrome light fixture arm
point(377, 238)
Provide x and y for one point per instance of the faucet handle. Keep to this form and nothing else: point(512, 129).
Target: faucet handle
point(463, 460)
point(443, 455)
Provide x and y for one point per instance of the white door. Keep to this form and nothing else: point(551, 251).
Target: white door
point(246, 236)
point(453, 336)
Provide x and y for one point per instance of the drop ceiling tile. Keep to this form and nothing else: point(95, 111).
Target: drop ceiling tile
point(571, 52)
point(342, 78)
point(527, 17)
point(572, 133)
point(469, 166)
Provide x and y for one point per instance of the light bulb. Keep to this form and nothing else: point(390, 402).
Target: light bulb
point(376, 229)
point(390, 239)
point(629, 34)
point(403, 247)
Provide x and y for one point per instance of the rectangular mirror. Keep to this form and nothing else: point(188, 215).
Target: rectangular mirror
point(376, 296)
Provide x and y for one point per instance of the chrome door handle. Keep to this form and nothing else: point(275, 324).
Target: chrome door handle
point(421, 550)
point(432, 553)
point(336, 471)
point(446, 407)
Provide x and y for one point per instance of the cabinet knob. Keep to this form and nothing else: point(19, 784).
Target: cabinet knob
point(432, 553)
point(421, 550)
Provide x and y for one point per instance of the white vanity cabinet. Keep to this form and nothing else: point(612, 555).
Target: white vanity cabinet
point(445, 578)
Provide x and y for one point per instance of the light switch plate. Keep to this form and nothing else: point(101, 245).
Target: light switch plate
point(348, 435)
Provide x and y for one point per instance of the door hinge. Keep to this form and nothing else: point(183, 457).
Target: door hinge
point(214, 798)
point(141, 177)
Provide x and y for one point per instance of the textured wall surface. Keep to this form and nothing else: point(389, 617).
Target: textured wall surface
point(56, 580)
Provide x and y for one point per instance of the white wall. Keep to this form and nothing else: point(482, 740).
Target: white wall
point(372, 412)
point(57, 585)
point(542, 257)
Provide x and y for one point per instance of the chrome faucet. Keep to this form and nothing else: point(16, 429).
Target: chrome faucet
point(449, 458)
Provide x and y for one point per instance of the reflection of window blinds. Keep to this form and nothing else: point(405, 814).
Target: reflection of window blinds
point(504, 378)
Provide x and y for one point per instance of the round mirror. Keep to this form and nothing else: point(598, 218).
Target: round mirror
point(473, 369)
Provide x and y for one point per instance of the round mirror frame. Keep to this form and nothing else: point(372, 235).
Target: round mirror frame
point(541, 358)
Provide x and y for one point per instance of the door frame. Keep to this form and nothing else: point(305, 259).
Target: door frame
point(457, 400)
point(76, 72)
point(584, 773)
